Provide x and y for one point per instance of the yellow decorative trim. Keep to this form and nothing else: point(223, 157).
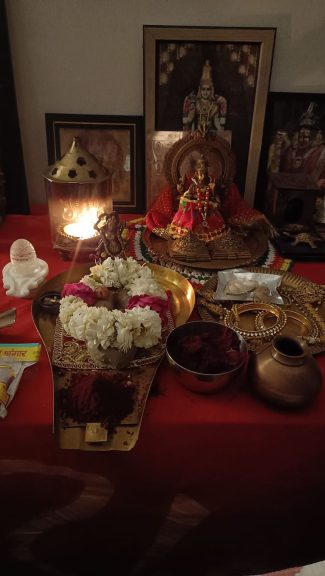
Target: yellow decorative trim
point(4, 396)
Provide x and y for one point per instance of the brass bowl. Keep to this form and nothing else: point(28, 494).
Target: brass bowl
point(206, 356)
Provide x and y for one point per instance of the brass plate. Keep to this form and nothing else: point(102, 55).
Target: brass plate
point(124, 436)
point(302, 317)
point(298, 324)
point(257, 244)
point(183, 295)
point(182, 300)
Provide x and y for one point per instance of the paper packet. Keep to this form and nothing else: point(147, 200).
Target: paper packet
point(240, 285)
point(14, 358)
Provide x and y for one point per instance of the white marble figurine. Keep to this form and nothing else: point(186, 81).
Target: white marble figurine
point(25, 271)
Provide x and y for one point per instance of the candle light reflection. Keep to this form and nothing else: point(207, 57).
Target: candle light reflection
point(83, 228)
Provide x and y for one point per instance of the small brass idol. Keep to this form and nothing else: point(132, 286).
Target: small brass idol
point(111, 232)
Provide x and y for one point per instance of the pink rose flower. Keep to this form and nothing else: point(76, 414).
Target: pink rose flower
point(158, 304)
point(80, 290)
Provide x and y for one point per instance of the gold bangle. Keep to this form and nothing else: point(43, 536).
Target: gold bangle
point(232, 319)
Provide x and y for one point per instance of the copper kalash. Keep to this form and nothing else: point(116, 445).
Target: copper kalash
point(212, 220)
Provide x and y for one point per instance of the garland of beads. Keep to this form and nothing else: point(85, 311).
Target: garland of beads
point(203, 201)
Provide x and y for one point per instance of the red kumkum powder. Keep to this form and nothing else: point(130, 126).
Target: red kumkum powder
point(208, 353)
point(105, 397)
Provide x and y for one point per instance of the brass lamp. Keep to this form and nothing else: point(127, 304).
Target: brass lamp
point(78, 191)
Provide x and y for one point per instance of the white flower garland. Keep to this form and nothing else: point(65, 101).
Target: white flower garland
point(135, 278)
point(101, 328)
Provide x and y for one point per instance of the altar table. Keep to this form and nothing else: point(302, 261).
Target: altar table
point(222, 484)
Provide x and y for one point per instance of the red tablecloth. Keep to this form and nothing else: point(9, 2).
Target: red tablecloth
point(218, 481)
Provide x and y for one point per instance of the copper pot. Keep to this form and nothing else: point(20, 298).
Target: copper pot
point(285, 373)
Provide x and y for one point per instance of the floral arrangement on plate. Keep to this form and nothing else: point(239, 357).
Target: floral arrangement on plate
point(113, 335)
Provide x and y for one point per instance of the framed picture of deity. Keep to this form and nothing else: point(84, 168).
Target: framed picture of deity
point(291, 177)
point(216, 77)
point(115, 141)
point(293, 139)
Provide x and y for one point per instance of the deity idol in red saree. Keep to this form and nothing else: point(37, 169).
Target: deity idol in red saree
point(205, 208)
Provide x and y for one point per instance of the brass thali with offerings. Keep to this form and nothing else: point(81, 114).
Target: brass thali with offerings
point(71, 365)
point(302, 313)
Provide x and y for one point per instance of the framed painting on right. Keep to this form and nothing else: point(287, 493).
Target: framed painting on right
point(293, 138)
point(291, 178)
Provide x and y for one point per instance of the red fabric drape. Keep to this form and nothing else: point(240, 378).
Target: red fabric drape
point(211, 482)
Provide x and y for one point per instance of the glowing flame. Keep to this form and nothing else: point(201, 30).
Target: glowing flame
point(84, 227)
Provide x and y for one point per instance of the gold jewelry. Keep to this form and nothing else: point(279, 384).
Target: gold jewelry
point(232, 319)
point(308, 323)
point(162, 232)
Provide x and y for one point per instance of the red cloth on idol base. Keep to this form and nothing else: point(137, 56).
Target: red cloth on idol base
point(161, 211)
point(189, 217)
point(235, 212)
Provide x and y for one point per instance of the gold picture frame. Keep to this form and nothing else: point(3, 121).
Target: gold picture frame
point(240, 60)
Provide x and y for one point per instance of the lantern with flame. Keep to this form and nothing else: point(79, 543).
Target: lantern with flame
point(78, 192)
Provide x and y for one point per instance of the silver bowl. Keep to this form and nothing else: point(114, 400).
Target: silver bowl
point(207, 356)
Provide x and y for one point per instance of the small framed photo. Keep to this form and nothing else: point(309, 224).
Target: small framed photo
point(116, 142)
point(213, 76)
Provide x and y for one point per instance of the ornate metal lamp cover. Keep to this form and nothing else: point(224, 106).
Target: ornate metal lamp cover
point(78, 191)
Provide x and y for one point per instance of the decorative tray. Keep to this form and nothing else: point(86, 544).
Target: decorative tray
point(122, 435)
point(304, 305)
point(257, 245)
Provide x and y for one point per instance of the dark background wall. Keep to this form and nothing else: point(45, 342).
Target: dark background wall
point(12, 171)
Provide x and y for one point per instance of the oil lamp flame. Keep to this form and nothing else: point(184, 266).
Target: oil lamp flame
point(83, 228)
